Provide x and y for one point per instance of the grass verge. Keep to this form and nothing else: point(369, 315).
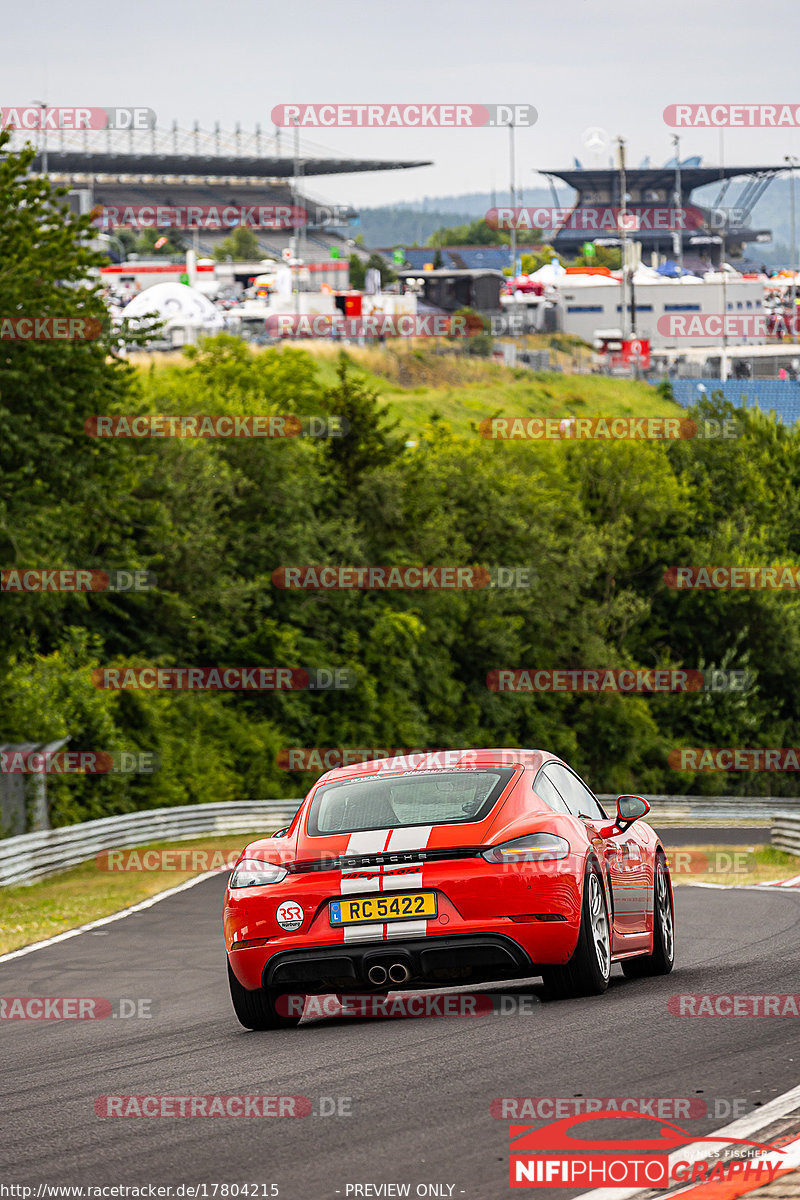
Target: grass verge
point(731, 865)
point(33, 912)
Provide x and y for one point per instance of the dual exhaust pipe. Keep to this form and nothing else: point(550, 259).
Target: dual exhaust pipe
point(397, 973)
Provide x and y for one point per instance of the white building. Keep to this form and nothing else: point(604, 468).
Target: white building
point(590, 302)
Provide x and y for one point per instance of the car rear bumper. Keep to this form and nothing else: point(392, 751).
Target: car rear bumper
point(430, 962)
point(535, 912)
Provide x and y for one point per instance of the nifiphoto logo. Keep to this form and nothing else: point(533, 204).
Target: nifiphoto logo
point(562, 1154)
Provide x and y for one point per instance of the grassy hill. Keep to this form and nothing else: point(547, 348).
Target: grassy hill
point(418, 384)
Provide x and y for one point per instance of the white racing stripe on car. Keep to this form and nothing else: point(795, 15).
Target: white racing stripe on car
point(412, 837)
point(368, 841)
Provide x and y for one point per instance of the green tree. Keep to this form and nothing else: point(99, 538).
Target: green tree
point(371, 438)
point(64, 496)
point(358, 273)
point(146, 243)
point(477, 233)
point(241, 246)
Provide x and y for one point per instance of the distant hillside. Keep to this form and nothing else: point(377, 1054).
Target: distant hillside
point(396, 226)
point(410, 223)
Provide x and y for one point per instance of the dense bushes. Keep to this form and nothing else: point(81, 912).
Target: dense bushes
point(597, 525)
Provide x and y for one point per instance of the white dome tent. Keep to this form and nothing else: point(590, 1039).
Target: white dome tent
point(184, 311)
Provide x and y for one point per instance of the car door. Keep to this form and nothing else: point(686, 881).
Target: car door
point(621, 853)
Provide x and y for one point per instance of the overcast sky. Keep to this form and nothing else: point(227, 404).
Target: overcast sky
point(580, 63)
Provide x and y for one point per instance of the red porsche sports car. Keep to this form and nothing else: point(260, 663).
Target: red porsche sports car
point(445, 869)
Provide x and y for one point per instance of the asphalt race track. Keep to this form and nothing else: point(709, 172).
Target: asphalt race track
point(712, 835)
point(419, 1089)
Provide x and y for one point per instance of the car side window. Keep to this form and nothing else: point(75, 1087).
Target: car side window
point(580, 801)
point(544, 787)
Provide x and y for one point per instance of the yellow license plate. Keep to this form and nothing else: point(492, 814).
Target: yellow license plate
point(386, 907)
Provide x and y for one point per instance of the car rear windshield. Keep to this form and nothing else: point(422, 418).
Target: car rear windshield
point(415, 798)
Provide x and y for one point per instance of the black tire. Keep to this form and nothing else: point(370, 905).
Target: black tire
point(662, 959)
point(256, 1009)
point(588, 971)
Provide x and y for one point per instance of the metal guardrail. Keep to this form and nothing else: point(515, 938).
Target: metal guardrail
point(714, 810)
point(34, 856)
point(785, 832)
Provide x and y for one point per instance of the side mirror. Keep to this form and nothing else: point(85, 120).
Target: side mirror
point(281, 832)
point(630, 809)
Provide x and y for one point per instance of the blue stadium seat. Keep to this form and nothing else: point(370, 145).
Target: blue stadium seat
point(779, 396)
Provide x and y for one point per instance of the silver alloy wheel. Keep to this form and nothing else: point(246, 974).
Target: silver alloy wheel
point(664, 911)
point(599, 921)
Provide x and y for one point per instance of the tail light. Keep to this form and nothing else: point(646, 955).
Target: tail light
point(254, 872)
point(536, 847)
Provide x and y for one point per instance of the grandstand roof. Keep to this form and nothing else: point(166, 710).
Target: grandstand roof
point(79, 162)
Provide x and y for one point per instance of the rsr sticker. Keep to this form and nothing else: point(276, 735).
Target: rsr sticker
point(290, 915)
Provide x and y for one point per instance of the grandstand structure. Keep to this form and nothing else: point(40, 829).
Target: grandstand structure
point(175, 167)
point(724, 223)
point(781, 397)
